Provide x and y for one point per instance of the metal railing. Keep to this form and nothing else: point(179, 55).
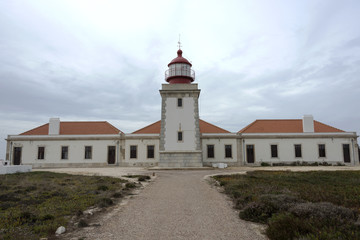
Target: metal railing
point(181, 72)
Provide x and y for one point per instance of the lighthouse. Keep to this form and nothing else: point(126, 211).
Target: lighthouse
point(180, 144)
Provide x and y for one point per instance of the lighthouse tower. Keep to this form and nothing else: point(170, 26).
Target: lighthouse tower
point(180, 133)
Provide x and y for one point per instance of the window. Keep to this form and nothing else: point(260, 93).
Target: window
point(150, 151)
point(41, 152)
point(274, 151)
point(88, 152)
point(133, 151)
point(322, 150)
point(228, 151)
point(298, 150)
point(210, 151)
point(346, 152)
point(64, 152)
point(179, 102)
point(180, 136)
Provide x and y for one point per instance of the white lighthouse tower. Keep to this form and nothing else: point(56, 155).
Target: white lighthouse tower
point(180, 144)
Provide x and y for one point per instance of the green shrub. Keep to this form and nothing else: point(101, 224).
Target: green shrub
point(143, 178)
point(257, 212)
point(117, 195)
point(130, 185)
point(82, 223)
point(265, 164)
point(103, 188)
point(279, 164)
point(323, 212)
point(105, 202)
point(266, 206)
point(285, 226)
point(47, 217)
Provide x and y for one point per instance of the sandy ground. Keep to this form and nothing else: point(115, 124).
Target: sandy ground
point(179, 204)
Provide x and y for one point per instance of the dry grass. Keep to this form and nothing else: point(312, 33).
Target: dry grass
point(33, 205)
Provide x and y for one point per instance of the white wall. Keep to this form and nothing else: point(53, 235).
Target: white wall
point(309, 147)
point(180, 118)
point(219, 150)
point(76, 151)
point(142, 152)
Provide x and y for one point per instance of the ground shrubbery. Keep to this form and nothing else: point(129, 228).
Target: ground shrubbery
point(307, 205)
point(141, 178)
point(35, 204)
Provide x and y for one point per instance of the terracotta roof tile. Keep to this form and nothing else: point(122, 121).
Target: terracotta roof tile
point(77, 128)
point(152, 128)
point(205, 127)
point(284, 126)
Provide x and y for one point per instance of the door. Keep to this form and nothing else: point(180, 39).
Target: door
point(111, 154)
point(346, 152)
point(17, 156)
point(250, 153)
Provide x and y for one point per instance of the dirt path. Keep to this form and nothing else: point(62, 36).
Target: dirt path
point(178, 205)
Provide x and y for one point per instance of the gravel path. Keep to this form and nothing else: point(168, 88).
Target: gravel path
point(177, 205)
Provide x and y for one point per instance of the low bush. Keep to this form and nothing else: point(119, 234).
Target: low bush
point(285, 226)
point(268, 205)
point(117, 195)
point(105, 202)
point(323, 212)
point(143, 178)
point(265, 164)
point(130, 185)
point(298, 205)
point(82, 223)
point(279, 164)
point(103, 188)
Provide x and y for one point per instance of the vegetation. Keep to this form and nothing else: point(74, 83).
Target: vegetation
point(298, 205)
point(300, 163)
point(141, 178)
point(35, 204)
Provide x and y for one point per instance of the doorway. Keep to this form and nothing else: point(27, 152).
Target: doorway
point(17, 156)
point(250, 156)
point(111, 154)
point(346, 152)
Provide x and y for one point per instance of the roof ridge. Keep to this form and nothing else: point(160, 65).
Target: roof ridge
point(214, 125)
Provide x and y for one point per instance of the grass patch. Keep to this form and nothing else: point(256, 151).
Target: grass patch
point(298, 205)
point(141, 178)
point(35, 204)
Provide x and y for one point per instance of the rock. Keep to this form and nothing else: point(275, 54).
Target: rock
point(60, 230)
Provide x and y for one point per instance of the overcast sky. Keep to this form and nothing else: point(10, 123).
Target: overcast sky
point(105, 60)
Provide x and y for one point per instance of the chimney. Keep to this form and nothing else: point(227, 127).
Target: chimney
point(54, 126)
point(308, 123)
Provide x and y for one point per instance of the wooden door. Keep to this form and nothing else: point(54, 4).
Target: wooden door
point(111, 154)
point(17, 156)
point(250, 156)
point(346, 152)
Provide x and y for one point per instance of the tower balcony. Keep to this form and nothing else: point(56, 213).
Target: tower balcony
point(179, 72)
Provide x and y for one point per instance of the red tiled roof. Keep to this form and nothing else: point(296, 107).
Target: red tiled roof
point(77, 128)
point(285, 126)
point(205, 127)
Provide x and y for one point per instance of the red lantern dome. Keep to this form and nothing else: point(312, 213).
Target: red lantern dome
point(179, 70)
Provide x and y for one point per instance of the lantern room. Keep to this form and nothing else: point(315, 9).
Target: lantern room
point(179, 70)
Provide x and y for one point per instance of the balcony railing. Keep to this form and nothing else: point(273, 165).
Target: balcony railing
point(179, 72)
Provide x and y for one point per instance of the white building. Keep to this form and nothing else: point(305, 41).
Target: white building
point(181, 138)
